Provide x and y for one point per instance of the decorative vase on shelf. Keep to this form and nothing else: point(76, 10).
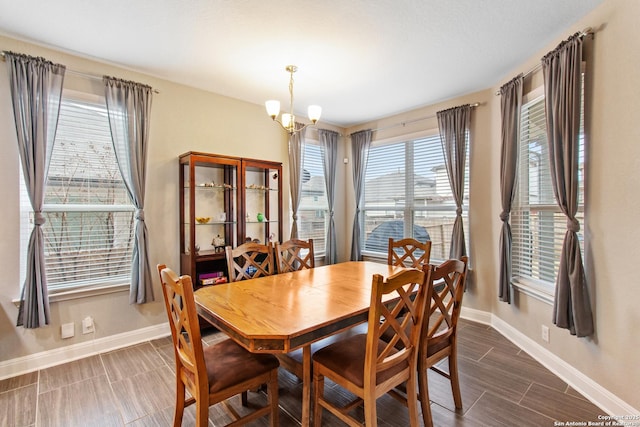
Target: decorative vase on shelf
point(260, 217)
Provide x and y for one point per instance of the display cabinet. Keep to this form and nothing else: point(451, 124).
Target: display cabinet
point(225, 201)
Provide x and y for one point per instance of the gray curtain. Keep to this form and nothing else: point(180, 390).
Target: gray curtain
point(562, 85)
point(360, 143)
point(296, 160)
point(129, 109)
point(454, 125)
point(329, 141)
point(510, 109)
point(36, 91)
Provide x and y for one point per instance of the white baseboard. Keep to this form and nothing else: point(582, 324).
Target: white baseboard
point(45, 359)
point(597, 394)
point(601, 397)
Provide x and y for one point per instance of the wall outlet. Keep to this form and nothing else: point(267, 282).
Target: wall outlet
point(87, 325)
point(545, 333)
point(67, 330)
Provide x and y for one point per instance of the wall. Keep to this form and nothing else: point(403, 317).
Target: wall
point(609, 358)
point(612, 202)
point(187, 119)
point(183, 119)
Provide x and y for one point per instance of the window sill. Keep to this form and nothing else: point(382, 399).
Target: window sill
point(539, 290)
point(82, 292)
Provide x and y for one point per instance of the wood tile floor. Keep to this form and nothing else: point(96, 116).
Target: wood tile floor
point(134, 386)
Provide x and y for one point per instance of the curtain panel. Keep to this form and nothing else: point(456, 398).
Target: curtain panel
point(129, 110)
point(36, 92)
point(296, 159)
point(562, 71)
point(453, 125)
point(360, 144)
point(510, 111)
point(329, 141)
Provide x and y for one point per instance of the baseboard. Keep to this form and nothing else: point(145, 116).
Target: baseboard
point(45, 359)
point(598, 395)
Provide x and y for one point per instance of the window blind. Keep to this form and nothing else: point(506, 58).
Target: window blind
point(314, 207)
point(89, 215)
point(407, 194)
point(538, 226)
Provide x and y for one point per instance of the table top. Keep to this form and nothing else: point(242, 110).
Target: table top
point(283, 312)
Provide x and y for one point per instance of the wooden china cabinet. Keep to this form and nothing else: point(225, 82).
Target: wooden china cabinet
point(225, 201)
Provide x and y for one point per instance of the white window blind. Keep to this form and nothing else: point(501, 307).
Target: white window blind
point(538, 226)
point(407, 194)
point(314, 208)
point(89, 214)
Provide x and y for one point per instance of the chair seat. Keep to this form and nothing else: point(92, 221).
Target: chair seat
point(346, 358)
point(437, 344)
point(229, 364)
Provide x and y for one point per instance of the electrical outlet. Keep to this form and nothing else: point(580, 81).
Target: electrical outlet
point(87, 325)
point(545, 333)
point(67, 330)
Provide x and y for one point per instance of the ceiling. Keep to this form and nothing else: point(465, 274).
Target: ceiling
point(359, 59)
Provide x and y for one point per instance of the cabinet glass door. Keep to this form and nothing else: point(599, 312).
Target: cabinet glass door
point(214, 204)
point(262, 203)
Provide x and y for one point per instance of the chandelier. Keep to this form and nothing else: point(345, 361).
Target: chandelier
point(287, 120)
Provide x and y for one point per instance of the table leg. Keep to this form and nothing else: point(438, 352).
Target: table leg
point(306, 386)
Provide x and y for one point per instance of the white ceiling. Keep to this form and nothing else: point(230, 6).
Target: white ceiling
point(359, 59)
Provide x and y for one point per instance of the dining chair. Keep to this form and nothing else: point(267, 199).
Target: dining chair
point(249, 260)
point(408, 252)
point(439, 331)
point(369, 367)
point(294, 254)
point(215, 373)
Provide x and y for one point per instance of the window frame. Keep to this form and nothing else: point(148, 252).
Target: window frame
point(87, 287)
point(409, 210)
point(541, 289)
point(319, 249)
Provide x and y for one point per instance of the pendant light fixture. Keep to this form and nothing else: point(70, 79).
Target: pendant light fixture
point(287, 120)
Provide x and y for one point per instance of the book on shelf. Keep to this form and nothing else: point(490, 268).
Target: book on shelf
point(213, 278)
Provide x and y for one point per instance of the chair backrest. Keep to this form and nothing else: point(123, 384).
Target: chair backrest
point(447, 281)
point(249, 260)
point(408, 252)
point(185, 330)
point(294, 255)
point(400, 321)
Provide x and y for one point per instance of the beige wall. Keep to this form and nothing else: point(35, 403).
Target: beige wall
point(610, 357)
point(183, 119)
point(612, 235)
point(187, 119)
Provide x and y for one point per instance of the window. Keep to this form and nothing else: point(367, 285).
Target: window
point(314, 208)
point(407, 194)
point(538, 225)
point(88, 233)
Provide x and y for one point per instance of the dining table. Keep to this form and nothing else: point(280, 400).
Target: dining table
point(290, 311)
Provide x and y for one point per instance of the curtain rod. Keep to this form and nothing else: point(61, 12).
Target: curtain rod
point(477, 104)
point(77, 73)
point(532, 70)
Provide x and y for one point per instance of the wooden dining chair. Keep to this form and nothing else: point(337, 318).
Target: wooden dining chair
point(214, 373)
point(369, 367)
point(249, 260)
point(408, 252)
point(439, 331)
point(294, 255)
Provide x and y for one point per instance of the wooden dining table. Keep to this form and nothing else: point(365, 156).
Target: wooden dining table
point(290, 311)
